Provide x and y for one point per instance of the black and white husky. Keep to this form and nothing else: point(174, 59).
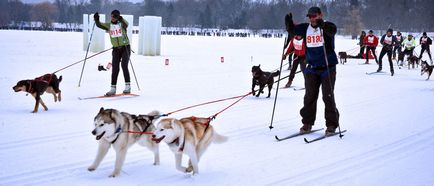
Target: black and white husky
point(121, 130)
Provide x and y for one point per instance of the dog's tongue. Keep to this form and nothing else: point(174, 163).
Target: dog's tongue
point(100, 136)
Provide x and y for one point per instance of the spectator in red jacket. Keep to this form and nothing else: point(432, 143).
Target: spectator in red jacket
point(371, 42)
point(298, 47)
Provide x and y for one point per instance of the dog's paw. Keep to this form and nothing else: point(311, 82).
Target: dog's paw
point(35, 111)
point(91, 168)
point(189, 169)
point(114, 174)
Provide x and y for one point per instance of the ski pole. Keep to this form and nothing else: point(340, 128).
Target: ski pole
point(330, 82)
point(277, 90)
point(129, 58)
point(87, 51)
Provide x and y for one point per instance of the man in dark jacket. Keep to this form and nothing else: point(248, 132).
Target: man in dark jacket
point(321, 70)
point(425, 42)
point(388, 41)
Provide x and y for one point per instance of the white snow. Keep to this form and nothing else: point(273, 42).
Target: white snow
point(390, 120)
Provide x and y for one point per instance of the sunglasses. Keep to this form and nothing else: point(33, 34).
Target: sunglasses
point(312, 16)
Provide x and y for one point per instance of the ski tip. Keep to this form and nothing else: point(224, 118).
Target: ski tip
point(277, 138)
point(305, 140)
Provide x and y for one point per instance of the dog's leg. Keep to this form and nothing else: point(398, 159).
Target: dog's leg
point(253, 87)
point(43, 104)
point(121, 153)
point(102, 151)
point(193, 162)
point(37, 98)
point(261, 90)
point(269, 90)
point(51, 91)
point(178, 161)
point(152, 146)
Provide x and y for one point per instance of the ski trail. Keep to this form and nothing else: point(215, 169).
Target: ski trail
point(355, 165)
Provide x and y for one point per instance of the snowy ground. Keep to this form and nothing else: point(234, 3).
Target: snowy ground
point(390, 120)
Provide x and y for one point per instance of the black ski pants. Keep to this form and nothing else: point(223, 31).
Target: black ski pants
point(298, 60)
point(314, 79)
point(395, 48)
point(120, 56)
point(372, 49)
point(383, 52)
point(423, 50)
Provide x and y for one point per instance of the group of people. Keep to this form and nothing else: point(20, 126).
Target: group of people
point(313, 47)
point(392, 44)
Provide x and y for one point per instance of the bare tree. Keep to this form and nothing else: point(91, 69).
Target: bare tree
point(353, 23)
point(45, 13)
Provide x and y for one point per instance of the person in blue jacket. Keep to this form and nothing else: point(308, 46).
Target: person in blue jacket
point(321, 69)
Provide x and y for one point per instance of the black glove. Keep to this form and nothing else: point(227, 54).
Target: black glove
point(289, 23)
point(120, 18)
point(96, 16)
point(320, 23)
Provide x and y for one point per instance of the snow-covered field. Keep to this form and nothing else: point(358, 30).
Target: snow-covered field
point(390, 120)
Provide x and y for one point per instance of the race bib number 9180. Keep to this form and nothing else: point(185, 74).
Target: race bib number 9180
point(313, 38)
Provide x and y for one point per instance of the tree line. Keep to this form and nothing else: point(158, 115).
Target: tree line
point(349, 15)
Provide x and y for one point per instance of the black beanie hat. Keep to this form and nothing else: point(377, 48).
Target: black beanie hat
point(116, 13)
point(390, 30)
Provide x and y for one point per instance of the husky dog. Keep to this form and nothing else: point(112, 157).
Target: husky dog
point(121, 130)
point(426, 68)
point(261, 79)
point(38, 86)
point(191, 136)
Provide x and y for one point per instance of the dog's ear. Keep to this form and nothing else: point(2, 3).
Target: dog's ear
point(101, 109)
point(259, 65)
point(134, 117)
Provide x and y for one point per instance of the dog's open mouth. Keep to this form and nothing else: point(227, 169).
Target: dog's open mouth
point(100, 136)
point(158, 140)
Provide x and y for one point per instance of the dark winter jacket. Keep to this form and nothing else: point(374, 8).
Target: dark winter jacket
point(388, 42)
point(425, 41)
point(313, 41)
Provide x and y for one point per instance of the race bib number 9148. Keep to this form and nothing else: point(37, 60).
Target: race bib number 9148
point(115, 31)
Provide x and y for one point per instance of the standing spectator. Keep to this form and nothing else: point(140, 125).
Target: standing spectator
point(371, 42)
point(425, 42)
point(321, 70)
point(388, 41)
point(298, 47)
point(409, 44)
point(117, 28)
point(398, 46)
point(362, 46)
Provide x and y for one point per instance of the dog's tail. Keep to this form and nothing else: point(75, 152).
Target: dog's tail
point(217, 138)
point(60, 79)
point(274, 74)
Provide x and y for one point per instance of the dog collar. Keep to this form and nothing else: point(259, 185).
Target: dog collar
point(176, 142)
point(117, 132)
